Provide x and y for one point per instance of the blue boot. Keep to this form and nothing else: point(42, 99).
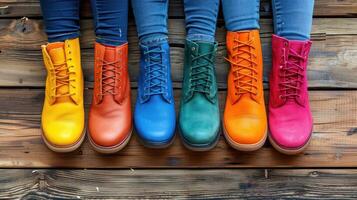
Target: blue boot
point(154, 115)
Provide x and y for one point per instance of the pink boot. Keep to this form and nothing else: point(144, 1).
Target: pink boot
point(290, 117)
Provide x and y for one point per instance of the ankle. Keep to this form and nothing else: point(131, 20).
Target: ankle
point(200, 38)
point(153, 39)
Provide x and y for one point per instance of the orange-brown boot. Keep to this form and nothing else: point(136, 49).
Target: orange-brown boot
point(110, 118)
point(245, 121)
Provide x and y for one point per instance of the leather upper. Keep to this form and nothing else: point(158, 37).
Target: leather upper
point(154, 114)
point(199, 110)
point(244, 118)
point(110, 118)
point(290, 118)
point(63, 111)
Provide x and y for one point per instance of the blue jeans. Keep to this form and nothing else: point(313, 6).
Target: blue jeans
point(110, 20)
point(151, 19)
point(292, 18)
point(241, 14)
point(201, 19)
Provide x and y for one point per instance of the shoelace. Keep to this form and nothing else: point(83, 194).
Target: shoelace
point(200, 73)
point(108, 81)
point(155, 73)
point(291, 73)
point(244, 81)
point(62, 74)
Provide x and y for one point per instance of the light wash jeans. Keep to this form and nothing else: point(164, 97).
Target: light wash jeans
point(151, 19)
point(292, 18)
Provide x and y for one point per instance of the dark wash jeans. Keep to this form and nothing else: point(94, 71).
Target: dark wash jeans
point(110, 20)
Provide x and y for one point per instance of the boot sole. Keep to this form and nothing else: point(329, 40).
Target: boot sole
point(205, 147)
point(156, 145)
point(65, 149)
point(111, 149)
point(245, 147)
point(289, 151)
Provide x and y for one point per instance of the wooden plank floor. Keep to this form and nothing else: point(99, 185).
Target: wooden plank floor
point(328, 168)
point(179, 184)
point(333, 143)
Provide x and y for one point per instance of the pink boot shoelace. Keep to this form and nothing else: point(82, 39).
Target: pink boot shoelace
point(292, 74)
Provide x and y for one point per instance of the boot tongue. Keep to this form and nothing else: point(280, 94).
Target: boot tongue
point(109, 57)
point(56, 52)
point(205, 47)
point(245, 38)
point(58, 57)
point(297, 46)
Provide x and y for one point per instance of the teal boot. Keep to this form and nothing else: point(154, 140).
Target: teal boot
point(199, 111)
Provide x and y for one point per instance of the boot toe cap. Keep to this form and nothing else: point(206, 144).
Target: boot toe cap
point(62, 134)
point(290, 136)
point(246, 130)
point(198, 132)
point(155, 125)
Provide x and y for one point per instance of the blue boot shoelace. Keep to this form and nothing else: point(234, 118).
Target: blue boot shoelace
point(155, 72)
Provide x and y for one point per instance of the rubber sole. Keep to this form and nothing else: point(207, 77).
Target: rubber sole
point(112, 149)
point(207, 147)
point(289, 151)
point(245, 147)
point(156, 145)
point(66, 149)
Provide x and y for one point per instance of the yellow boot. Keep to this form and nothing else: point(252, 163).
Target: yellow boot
point(63, 110)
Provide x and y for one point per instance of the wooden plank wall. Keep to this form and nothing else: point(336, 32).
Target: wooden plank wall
point(333, 94)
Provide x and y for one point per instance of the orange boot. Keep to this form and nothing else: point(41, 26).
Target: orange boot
point(245, 121)
point(110, 120)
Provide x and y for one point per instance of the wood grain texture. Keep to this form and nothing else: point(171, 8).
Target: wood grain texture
point(332, 65)
point(31, 8)
point(179, 184)
point(333, 143)
point(332, 60)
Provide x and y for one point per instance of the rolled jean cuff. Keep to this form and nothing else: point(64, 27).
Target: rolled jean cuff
point(244, 25)
point(154, 39)
point(62, 37)
point(200, 37)
point(110, 42)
